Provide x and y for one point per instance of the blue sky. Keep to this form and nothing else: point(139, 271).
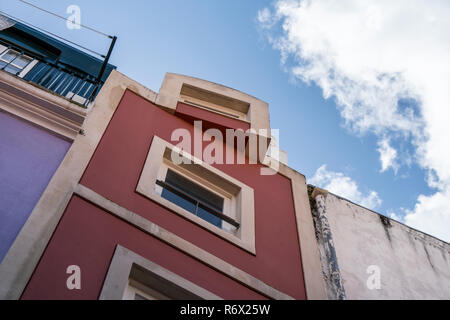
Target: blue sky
point(235, 43)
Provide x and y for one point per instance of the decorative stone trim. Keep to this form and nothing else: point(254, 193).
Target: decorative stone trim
point(40, 107)
point(121, 267)
point(181, 244)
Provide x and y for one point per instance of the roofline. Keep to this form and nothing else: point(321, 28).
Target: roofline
point(382, 215)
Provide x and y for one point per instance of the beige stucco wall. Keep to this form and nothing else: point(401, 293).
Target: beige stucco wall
point(413, 265)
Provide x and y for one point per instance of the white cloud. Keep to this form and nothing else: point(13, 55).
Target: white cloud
point(370, 54)
point(265, 18)
point(431, 214)
point(341, 185)
point(394, 216)
point(388, 155)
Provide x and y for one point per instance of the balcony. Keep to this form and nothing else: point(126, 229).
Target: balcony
point(54, 76)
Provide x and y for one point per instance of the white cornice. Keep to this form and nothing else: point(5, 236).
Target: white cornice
point(40, 107)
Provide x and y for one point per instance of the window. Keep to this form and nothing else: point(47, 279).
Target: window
point(192, 197)
point(13, 61)
point(214, 102)
point(199, 200)
point(201, 193)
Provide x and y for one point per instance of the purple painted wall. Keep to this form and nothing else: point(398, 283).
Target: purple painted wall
point(29, 156)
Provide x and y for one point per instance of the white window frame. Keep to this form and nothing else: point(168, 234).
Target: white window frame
point(122, 284)
point(240, 204)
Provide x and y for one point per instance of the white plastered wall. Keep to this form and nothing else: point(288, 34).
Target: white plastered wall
point(412, 265)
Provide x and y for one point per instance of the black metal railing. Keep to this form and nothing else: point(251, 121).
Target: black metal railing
point(56, 77)
point(63, 81)
point(198, 203)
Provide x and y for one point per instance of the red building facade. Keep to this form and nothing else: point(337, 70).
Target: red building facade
point(126, 240)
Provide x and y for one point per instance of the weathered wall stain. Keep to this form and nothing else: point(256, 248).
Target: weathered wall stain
point(330, 265)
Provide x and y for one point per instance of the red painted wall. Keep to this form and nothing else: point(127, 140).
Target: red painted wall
point(87, 236)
